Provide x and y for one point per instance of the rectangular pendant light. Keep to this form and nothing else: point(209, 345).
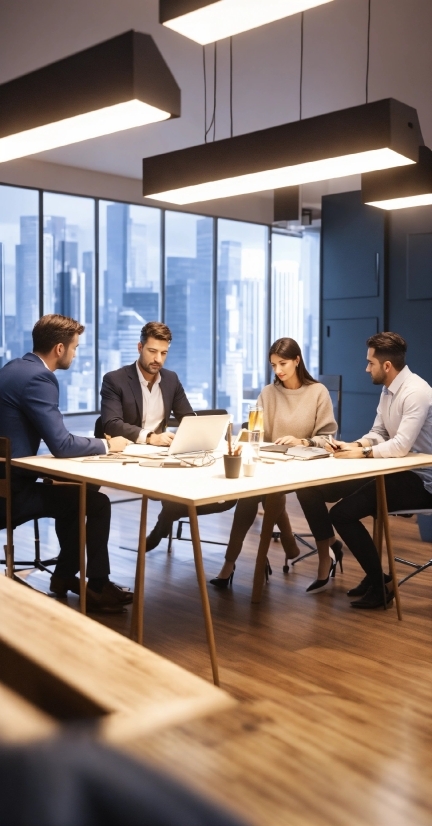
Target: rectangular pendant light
point(400, 188)
point(116, 85)
point(206, 21)
point(365, 138)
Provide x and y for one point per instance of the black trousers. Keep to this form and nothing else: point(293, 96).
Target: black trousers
point(172, 511)
point(357, 500)
point(61, 502)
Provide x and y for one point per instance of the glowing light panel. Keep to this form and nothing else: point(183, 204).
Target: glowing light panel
point(404, 203)
point(303, 173)
point(229, 17)
point(105, 121)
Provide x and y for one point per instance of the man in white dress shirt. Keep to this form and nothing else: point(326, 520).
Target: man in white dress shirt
point(403, 424)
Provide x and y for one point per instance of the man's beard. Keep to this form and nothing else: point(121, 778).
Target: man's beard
point(379, 379)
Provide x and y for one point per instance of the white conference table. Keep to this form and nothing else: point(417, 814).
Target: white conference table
point(201, 486)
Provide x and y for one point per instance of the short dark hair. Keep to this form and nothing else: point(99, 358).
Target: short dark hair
point(54, 329)
point(288, 349)
point(389, 347)
point(155, 329)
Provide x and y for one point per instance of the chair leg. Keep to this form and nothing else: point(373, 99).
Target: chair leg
point(170, 539)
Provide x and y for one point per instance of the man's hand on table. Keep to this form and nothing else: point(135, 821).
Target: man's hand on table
point(117, 444)
point(160, 439)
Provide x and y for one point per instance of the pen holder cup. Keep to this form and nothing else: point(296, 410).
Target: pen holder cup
point(232, 466)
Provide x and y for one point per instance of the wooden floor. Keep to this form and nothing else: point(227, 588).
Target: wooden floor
point(351, 689)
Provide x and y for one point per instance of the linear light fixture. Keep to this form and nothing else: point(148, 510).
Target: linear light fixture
point(118, 84)
point(364, 138)
point(206, 21)
point(400, 188)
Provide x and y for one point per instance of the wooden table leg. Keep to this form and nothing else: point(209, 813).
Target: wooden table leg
point(196, 542)
point(137, 622)
point(82, 544)
point(271, 501)
point(384, 518)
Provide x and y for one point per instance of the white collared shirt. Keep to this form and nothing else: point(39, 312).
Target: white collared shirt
point(153, 406)
point(403, 423)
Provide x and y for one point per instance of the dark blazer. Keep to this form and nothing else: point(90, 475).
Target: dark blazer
point(29, 412)
point(122, 402)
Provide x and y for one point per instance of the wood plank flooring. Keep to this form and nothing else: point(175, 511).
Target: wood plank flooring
point(338, 700)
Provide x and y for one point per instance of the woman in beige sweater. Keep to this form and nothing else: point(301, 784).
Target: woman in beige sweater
point(297, 410)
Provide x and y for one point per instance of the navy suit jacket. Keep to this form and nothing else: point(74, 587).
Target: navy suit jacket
point(29, 412)
point(122, 401)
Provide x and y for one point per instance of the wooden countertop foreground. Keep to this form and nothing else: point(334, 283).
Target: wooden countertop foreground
point(70, 667)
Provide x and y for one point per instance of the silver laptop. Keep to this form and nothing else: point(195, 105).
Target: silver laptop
point(199, 433)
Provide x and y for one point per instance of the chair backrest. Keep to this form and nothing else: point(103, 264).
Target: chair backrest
point(334, 386)
point(98, 428)
point(6, 493)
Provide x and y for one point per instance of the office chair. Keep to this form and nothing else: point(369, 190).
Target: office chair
point(334, 386)
point(417, 568)
point(6, 493)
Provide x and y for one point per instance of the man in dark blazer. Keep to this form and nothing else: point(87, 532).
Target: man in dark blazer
point(137, 402)
point(29, 412)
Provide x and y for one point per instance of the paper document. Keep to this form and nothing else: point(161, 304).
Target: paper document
point(143, 451)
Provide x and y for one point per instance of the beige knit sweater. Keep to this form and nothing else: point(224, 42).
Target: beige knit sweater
point(303, 413)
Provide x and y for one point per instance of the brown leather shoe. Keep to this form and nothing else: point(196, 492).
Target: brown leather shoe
point(126, 597)
point(108, 601)
point(61, 585)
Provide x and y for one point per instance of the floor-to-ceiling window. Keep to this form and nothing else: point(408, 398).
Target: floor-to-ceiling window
point(69, 288)
point(242, 312)
point(188, 302)
point(129, 279)
point(19, 270)
point(295, 291)
point(108, 257)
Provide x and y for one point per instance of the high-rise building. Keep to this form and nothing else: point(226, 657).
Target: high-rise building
point(26, 267)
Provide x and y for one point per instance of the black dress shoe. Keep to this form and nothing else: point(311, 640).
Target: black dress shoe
point(61, 585)
point(155, 536)
point(373, 598)
point(362, 587)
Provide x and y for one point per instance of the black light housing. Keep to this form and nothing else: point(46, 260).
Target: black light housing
point(376, 135)
point(401, 188)
point(118, 84)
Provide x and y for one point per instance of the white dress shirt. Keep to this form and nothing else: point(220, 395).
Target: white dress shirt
point(153, 406)
point(403, 422)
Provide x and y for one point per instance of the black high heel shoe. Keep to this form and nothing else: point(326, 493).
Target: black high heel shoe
point(338, 553)
point(268, 570)
point(223, 582)
point(319, 584)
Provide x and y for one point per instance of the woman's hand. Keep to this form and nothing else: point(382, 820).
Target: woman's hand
point(291, 441)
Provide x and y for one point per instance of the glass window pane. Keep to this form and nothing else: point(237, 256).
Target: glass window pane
point(295, 292)
point(188, 303)
point(19, 270)
point(242, 315)
point(68, 288)
point(129, 279)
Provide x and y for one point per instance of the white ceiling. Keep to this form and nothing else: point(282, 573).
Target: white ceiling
point(266, 68)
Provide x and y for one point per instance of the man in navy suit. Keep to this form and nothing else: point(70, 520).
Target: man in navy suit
point(137, 402)
point(29, 412)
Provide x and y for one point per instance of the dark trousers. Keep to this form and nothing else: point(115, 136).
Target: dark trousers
point(172, 511)
point(404, 491)
point(61, 502)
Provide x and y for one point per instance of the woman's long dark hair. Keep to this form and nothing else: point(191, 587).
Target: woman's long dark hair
point(288, 349)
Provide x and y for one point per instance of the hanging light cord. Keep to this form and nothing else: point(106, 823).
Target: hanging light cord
point(368, 51)
point(301, 64)
point(231, 89)
point(205, 95)
point(213, 119)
